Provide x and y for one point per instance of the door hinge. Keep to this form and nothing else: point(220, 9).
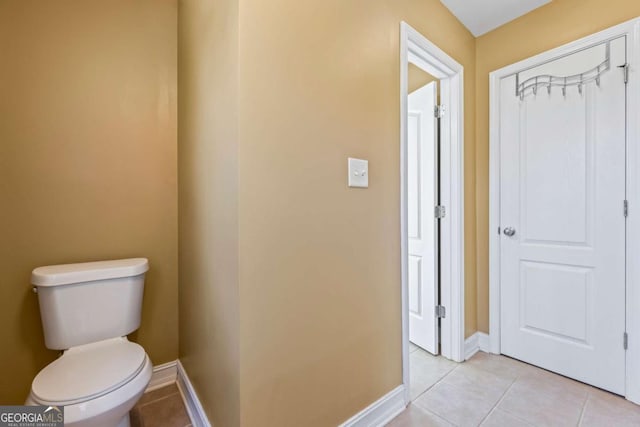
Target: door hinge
point(440, 212)
point(625, 341)
point(625, 72)
point(438, 111)
point(441, 312)
point(626, 208)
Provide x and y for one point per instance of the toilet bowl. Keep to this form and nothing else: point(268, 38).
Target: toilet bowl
point(97, 384)
point(88, 309)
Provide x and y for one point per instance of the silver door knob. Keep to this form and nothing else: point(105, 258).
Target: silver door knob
point(509, 231)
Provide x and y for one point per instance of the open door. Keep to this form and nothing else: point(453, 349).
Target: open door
point(422, 223)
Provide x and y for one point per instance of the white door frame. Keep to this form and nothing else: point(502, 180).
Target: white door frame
point(631, 29)
point(416, 48)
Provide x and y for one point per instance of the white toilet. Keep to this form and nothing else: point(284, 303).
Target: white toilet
point(87, 310)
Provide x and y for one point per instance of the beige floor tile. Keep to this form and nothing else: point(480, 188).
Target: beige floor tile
point(555, 385)
point(457, 405)
point(606, 409)
point(476, 380)
point(426, 370)
point(166, 412)
point(414, 416)
point(499, 418)
point(412, 347)
point(134, 417)
point(545, 401)
point(157, 394)
point(499, 365)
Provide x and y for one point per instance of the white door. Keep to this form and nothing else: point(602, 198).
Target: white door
point(562, 218)
point(422, 181)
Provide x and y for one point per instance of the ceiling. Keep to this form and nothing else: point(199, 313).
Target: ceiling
point(482, 16)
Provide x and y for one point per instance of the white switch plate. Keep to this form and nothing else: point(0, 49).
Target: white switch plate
point(358, 173)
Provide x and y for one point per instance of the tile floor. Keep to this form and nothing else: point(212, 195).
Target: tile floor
point(490, 390)
point(162, 407)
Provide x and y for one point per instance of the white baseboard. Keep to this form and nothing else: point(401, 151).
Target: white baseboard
point(476, 342)
point(379, 412)
point(471, 346)
point(192, 403)
point(483, 341)
point(163, 375)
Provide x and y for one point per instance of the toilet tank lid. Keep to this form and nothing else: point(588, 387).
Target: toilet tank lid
point(54, 275)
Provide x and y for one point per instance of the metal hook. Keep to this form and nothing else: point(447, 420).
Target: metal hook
point(580, 85)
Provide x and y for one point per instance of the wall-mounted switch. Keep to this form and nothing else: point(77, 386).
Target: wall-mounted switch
point(358, 173)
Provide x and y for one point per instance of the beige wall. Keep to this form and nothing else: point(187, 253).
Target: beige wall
point(208, 203)
point(557, 23)
point(319, 262)
point(87, 161)
point(281, 264)
point(417, 78)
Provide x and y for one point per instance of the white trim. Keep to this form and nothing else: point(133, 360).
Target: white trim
point(192, 403)
point(631, 29)
point(415, 47)
point(483, 341)
point(633, 220)
point(380, 412)
point(494, 212)
point(163, 375)
point(471, 346)
point(475, 343)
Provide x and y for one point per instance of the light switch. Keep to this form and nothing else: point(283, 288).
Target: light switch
point(358, 173)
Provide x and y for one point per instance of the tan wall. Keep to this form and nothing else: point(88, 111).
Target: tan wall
point(87, 161)
point(557, 23)
point(208, 203)
point(417, 78)
point(319, 262)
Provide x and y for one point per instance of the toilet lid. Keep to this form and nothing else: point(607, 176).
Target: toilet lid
point(89, 371)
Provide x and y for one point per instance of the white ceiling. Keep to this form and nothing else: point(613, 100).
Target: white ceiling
point(482, 16)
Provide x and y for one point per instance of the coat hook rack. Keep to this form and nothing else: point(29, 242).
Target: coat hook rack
point(531, 85)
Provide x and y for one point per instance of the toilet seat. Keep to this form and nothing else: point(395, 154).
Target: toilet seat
point(87, 372)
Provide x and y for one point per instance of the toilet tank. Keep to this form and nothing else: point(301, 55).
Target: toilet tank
point(89, 302)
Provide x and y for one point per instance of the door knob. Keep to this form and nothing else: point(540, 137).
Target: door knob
point(509, 231)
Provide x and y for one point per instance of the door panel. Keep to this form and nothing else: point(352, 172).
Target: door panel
point(562, 190)
point(566, 315)
point(554, 196)
point(423, 326)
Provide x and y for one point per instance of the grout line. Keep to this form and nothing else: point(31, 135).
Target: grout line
point(584, 406)
point(438, 381)
point(158, 399)
point(495, 406)
point(520, 375)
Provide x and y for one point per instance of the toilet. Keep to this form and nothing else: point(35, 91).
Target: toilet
point(87, 310)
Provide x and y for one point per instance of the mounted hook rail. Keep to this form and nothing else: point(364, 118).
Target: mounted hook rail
point(548, 81)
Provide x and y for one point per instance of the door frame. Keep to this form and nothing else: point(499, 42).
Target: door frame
point(416, 48)
point(630, 29)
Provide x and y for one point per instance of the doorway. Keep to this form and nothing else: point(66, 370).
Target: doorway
point(431, 201)
point(563, 162)
point(423, 198)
